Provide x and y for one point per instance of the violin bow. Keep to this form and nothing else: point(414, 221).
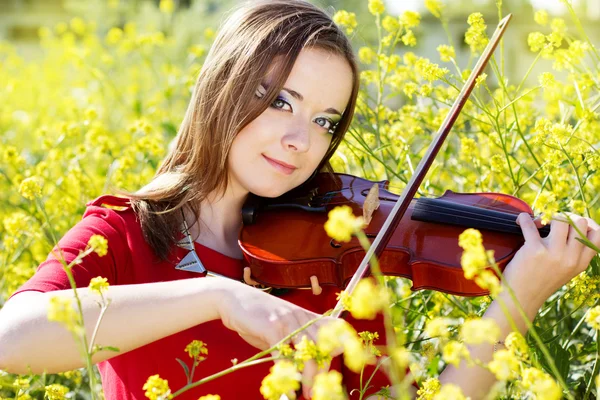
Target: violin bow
point(399, 209)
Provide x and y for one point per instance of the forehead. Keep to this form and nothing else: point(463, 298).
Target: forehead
point(323, 78)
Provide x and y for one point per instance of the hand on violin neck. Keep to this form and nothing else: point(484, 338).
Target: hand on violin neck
point(543, 265)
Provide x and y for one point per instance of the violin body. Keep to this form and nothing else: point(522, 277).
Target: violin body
point(286, 242)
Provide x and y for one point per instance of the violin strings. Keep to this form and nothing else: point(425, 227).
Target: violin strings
point(487, 207)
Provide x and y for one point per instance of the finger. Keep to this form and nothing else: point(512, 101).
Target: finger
point(575, 246)
point(255, 342)
point(592, 225)
point(589, 253)
point(530, 232)
point(559, 231)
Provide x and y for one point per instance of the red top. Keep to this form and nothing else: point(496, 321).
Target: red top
point(130, 260)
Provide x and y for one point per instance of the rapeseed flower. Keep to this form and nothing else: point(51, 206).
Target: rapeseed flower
point(282, 379)
point(453, 352)
point(31, 188)
point(450, 391)
point(435, 7)
point(376, 7)
point(346, 20)
point(476, 331)
point(593, 318)
point(98, 285)
point(446, 52)
point(197, 350)
point(428, 389)
point(156, 388)
point(342, 223)
point(56, 392)
point(99, 244)
point(541, 384)
point(328, 386)
point(505, 365)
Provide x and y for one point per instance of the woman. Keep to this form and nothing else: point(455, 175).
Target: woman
point(271, 104)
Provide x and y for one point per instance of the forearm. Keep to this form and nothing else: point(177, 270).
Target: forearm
point(476, 381)
point(137, 315)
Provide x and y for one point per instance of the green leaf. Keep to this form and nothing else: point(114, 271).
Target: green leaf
point(185, 368)
point(560, 356)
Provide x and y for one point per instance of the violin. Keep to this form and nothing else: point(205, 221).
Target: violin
point(285, 244)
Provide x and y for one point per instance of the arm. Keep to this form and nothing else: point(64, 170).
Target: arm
point(138, 315)
point(539, 269)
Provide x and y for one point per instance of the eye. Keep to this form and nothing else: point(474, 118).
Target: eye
point(281, 104)
point(326, 123)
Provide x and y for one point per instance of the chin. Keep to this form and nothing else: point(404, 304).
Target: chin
point(269, 192)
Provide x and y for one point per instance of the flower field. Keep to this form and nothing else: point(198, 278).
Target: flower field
point(97, 112)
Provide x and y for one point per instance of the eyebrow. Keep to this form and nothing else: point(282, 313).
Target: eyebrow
point(298, 96)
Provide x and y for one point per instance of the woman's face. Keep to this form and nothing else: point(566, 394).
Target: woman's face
point(283, 146)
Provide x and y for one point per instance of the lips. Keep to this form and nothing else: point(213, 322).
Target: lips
point(280, 166)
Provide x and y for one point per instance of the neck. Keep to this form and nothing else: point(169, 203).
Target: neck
point(220, 221)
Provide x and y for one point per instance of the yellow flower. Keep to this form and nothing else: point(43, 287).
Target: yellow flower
point(31, 188)
point(345, 20)
point(409, 39)
point(210, 397)
point(541, 17)
point(541, 384)
point(536, 41)
point(475, 36)
point(156, 388)
point(428, 70)
point(390, 24)
point(476, 331)
point(488, 280)
point(78, 26)
point(410, 19)
point(376, 7)
point(339, 334)
point(447, 53)
point(56, 392)
point(546, 79)
point(21, 383)
point(98, 285)
point(584, 289)
point(342, 223)
point(167, 6)
point(438, 327)
point(283, 378)
point(99, 244)
point(497, 163)
point(516, 343)
point(328, 386)
point(306, 350)
point(197, 349)
point(60, 309)
point(435, 7)
point(366, 55)
point(504, 365)
point(593, 318)
point(449, 391)
point(368, 299)
point(455, 351)
point(547, 205)
point(480, 79)
point(428, 389)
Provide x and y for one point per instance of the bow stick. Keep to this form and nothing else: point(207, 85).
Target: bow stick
point(393, 219)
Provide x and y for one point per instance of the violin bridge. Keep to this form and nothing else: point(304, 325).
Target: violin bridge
point(371, 204)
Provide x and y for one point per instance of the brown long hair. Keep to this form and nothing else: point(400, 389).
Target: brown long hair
point(250, 40)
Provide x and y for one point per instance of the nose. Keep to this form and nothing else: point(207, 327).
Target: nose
point(297, 137)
